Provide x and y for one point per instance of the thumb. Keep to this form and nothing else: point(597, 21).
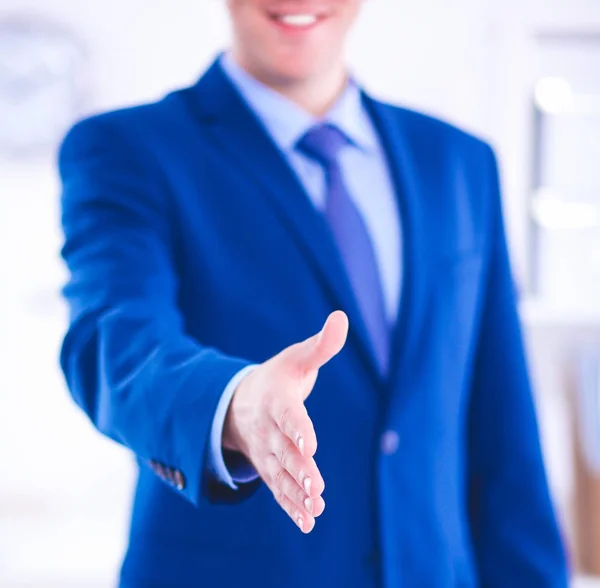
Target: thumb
point(315, 352)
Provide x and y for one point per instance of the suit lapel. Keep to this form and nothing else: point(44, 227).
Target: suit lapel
point(394, 141)
point(240, 134)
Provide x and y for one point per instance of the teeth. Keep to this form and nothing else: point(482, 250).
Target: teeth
point(299, 20)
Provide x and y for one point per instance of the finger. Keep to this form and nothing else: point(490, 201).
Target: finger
point(274, 477)
point(318, 507)
point(281, 479)
point(291, 417)
point(304, 521)
point(303, 470)
point(315, 352)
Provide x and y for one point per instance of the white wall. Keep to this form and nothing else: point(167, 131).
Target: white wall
point(62, 487)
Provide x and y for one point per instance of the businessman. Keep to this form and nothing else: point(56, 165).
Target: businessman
point(284, 292)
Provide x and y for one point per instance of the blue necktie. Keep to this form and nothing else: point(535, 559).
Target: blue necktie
point(323, 144)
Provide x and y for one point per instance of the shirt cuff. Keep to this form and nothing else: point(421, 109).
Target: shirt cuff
point(239, 469)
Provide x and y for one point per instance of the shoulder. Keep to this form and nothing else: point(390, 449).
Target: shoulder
point(454, 170)
point(120, 155)
point(125, 129)
point(436, 139)
point(462, 166)
point(432, 130)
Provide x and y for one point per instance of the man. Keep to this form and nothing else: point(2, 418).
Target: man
point(210, 235)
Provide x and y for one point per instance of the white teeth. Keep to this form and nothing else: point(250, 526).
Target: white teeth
point(299, 20)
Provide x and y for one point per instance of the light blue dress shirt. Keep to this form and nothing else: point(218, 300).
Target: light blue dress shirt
point(369, 183)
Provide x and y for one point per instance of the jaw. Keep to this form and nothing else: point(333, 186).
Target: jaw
point(292, 43)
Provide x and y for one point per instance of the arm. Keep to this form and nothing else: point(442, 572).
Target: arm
point(126, 358)
point(130, 365)
point(515, 533)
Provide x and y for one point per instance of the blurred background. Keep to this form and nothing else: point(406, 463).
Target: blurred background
point(523, 74)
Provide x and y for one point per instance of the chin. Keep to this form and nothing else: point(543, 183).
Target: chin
point(296, 69)
point(294, 73)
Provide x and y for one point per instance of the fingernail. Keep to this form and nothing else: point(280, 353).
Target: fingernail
point(299, 522)
point(307, 484)
point(301, 445)
point(308, 505)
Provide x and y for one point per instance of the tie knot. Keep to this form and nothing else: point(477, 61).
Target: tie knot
point(322, 143)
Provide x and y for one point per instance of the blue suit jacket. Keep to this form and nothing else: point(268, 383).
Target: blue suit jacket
point(193, 252)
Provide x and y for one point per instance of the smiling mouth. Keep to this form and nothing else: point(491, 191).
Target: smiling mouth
point(296, 21)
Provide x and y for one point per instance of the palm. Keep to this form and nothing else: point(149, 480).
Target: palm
point(269, 423)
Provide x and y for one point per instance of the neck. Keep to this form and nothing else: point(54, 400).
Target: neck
point(315, 94)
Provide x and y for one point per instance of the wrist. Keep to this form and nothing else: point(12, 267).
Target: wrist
point(232, 439)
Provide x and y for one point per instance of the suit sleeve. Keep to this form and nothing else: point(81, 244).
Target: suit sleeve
point(516, 538)
point(126, 357)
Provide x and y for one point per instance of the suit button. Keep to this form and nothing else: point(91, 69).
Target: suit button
point(390, 441)
point(179, 480)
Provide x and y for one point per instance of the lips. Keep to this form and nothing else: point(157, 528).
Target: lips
point(296, 20)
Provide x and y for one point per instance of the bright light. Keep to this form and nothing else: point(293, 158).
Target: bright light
point(553, 212)
point(553, 95)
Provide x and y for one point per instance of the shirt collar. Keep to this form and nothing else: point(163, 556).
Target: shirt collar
point(287, 122)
